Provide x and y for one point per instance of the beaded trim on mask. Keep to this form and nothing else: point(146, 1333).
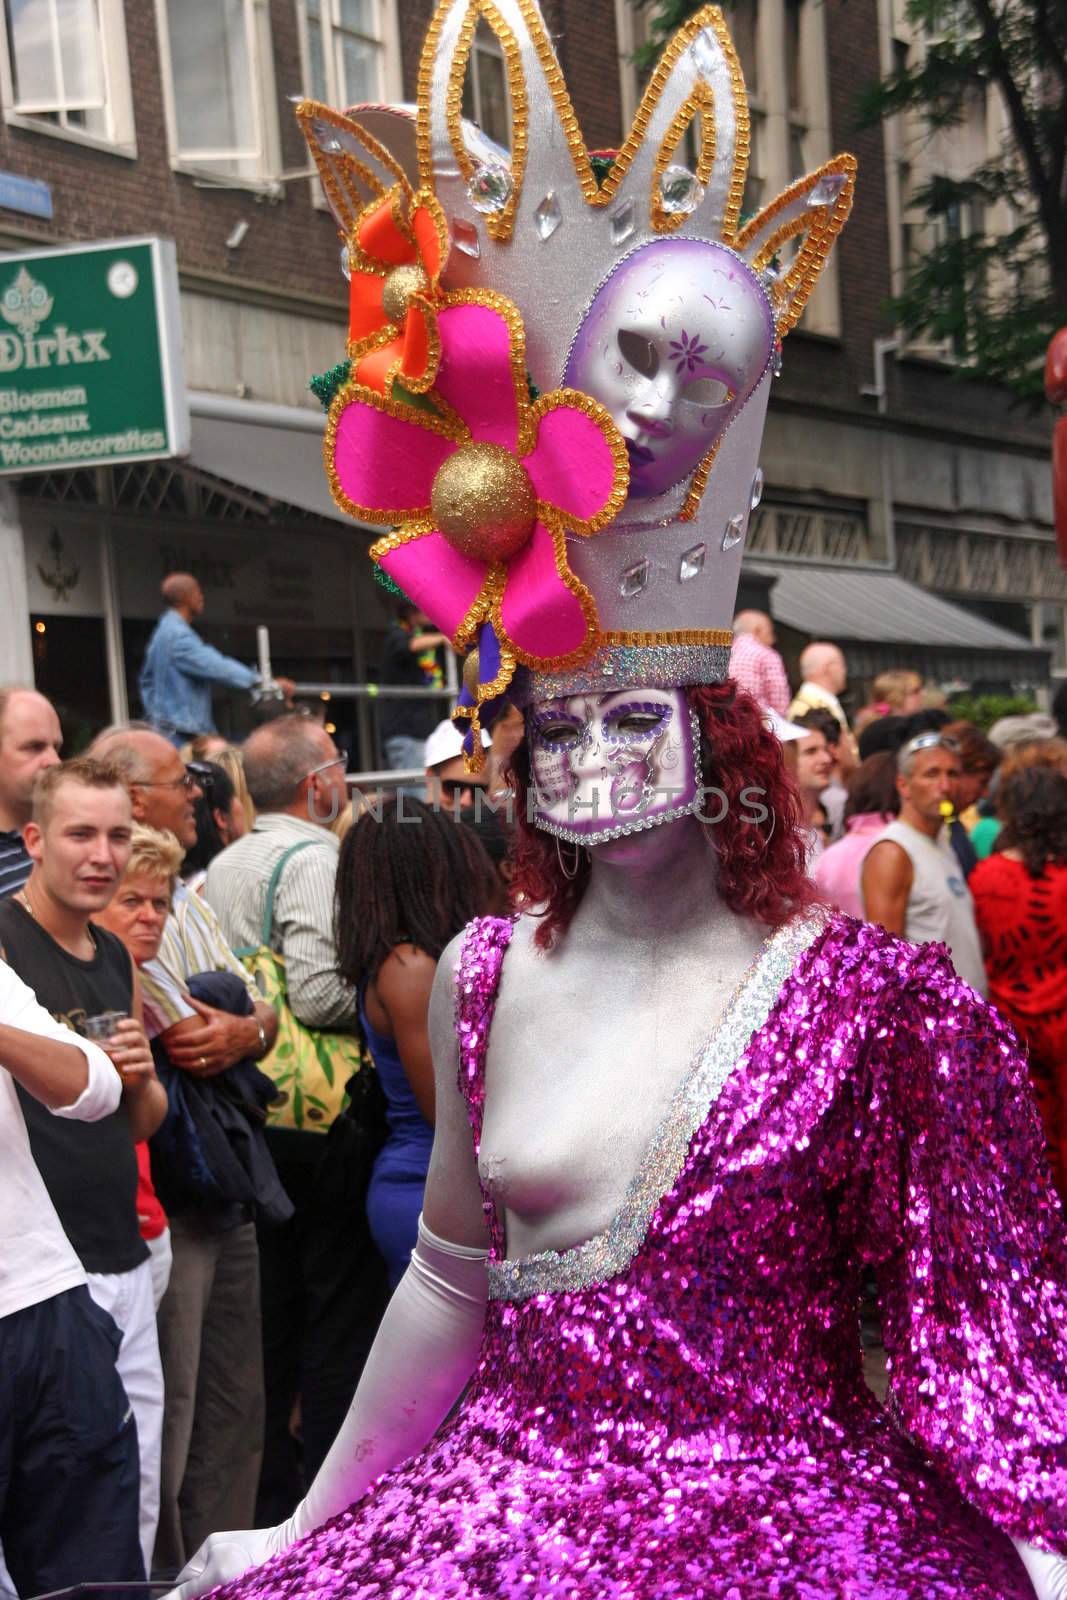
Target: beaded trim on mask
point(630, 666)
point(607, 1254)
point(571, 836)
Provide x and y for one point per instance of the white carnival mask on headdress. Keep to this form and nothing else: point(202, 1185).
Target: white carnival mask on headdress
point(592, 535)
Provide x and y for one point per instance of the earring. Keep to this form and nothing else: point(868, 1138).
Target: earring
point(572, 872)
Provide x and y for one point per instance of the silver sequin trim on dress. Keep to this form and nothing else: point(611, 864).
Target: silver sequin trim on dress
point(607, 1254)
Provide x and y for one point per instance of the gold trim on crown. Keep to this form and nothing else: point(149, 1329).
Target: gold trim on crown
point(500, 225)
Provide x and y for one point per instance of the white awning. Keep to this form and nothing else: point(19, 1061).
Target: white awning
point(273, 450)
point(878, 608)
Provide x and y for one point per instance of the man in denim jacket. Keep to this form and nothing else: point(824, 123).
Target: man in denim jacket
point(179, 668)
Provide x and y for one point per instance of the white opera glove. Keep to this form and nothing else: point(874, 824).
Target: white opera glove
point(1047, 1573)
point(418, 1367)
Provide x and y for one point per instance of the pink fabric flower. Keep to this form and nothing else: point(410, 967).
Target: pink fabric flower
point(561, 455)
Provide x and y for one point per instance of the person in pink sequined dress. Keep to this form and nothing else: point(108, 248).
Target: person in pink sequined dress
point(683, 1114)
point(665, 1390)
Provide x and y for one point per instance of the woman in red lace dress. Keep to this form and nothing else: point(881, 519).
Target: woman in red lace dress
point(1020, 901)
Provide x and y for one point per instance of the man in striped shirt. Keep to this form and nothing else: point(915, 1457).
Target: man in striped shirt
point(296, 779)
point(30, 741)
point(323, 1289)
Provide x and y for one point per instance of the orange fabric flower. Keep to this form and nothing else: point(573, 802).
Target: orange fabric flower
point(396, 252)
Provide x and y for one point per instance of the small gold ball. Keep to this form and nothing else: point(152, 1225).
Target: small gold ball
point(398, 289)
point(470, 675)
point(483, 502)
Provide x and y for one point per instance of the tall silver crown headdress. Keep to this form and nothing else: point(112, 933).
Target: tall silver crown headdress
point(632, 283)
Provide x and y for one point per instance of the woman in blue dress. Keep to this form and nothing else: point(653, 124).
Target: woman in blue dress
point(407, 883)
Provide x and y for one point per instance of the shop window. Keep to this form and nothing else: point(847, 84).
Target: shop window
point(218, 87)
point(350, 51)
point(70, 667)
point(64, 70)
point(485, 90)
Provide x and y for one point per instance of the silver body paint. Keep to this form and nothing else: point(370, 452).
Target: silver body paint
point(590, 1041)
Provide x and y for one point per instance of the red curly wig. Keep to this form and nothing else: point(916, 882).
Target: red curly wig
point(762, 869)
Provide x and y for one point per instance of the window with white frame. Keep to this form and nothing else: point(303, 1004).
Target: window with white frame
point(64, 69)
point(486, 102)
point(781, 45)
point(219, 86)
point(351, 51)
point(790, 117)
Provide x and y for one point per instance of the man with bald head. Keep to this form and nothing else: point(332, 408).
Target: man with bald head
point(30, 741)
point(755, 664)
point(824, 674)
point(180, 669)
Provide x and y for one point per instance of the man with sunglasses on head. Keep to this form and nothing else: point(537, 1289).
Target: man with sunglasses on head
point(912, 882)
point(209, 1318)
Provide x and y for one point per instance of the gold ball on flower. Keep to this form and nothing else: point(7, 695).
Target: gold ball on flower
point(470, 675)
point(483, 502)
point(398, 289)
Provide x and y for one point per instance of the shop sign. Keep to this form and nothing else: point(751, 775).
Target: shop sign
point(31, 195)
point(90, 356)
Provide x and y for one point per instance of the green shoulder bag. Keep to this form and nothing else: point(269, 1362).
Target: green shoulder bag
point(308, 1066)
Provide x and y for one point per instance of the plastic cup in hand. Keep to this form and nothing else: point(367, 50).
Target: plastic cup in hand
point(101, 1027)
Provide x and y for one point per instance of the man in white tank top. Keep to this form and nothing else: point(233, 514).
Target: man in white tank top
point(912, 882)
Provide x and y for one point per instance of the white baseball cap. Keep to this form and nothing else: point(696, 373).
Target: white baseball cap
point(784, 730)
point(446, 742)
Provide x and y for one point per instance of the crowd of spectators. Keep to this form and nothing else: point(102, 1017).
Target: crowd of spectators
point(216, 1092)
point(223, 1242)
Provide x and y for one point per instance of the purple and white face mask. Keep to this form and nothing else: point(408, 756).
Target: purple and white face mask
point(604, 765)
point(673, 344)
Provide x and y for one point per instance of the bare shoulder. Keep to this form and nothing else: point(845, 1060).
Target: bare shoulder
point(888, 860)
point(443, 1040)
point(404, 962)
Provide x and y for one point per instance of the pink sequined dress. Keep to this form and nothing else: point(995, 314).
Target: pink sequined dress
point(675, 1408)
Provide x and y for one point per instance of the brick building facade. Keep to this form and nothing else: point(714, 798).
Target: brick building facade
point(187, 132)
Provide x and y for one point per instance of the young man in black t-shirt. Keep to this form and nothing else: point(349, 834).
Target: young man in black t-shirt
point(79, 841)
point(68, 1443)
